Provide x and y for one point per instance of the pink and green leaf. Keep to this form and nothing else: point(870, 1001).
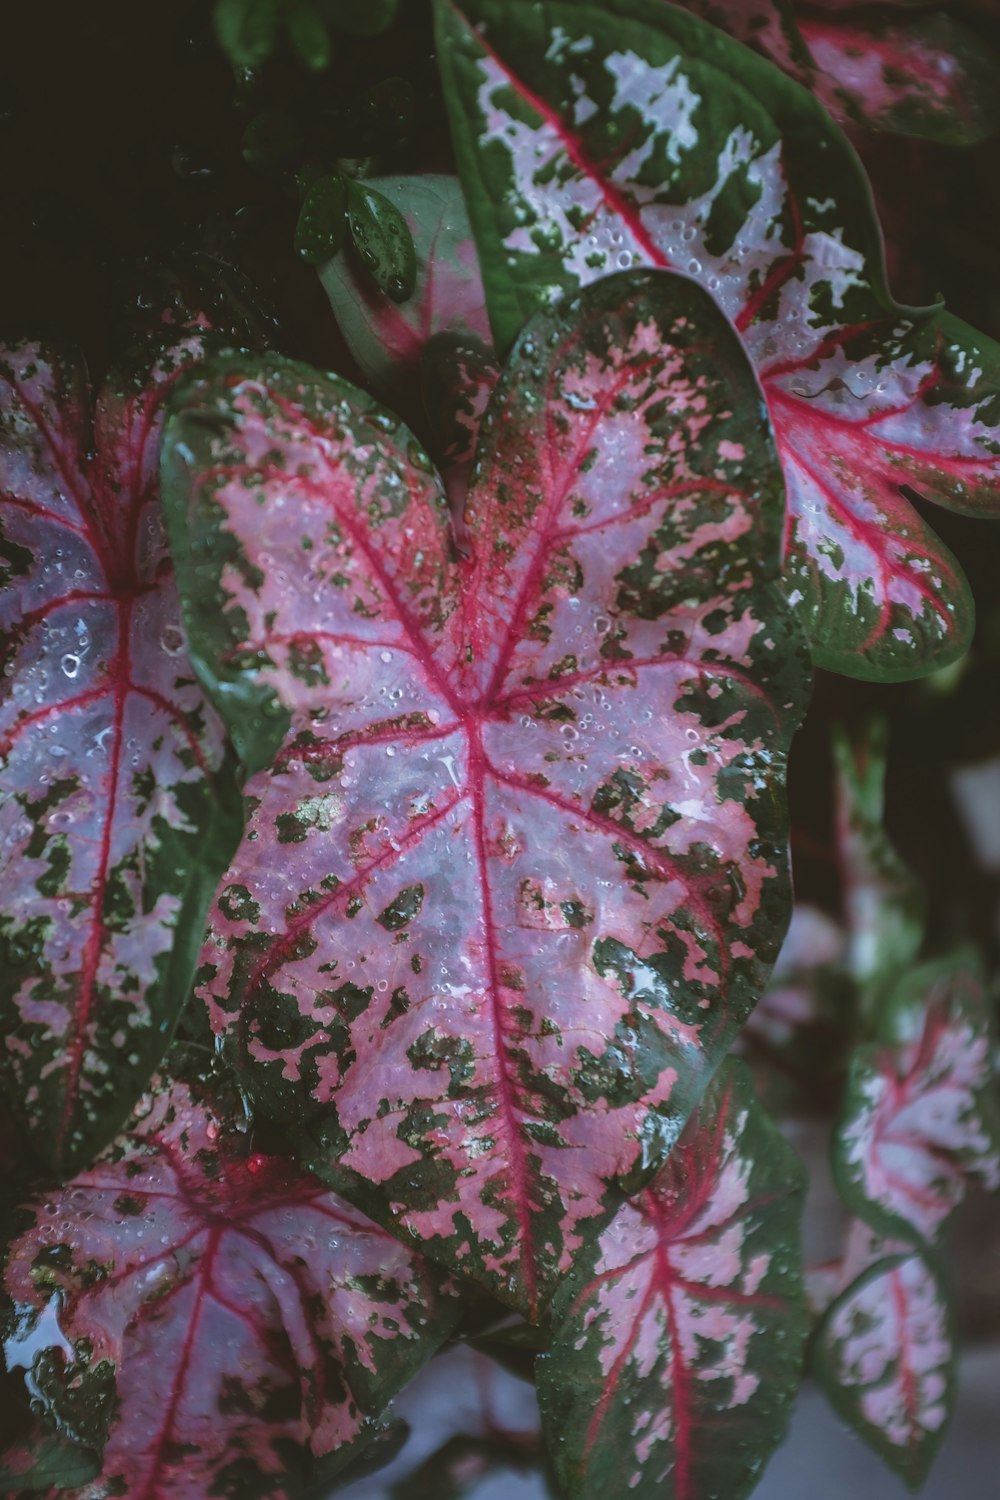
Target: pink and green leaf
point(218, 1320)
point(515, 872)
point(119, 806)
point(884, 1352)
point(922, 75)
point(592, 137)
point(679, 1337)
point(387, 339)
point(920, 1117)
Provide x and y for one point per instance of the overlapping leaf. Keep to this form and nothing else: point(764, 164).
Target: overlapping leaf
point(920, 1115)
point(924, 75)
point(517, 872)
point(118, 808)
point(679, 1338)
point(884, 1352)
point(596, 136)
point(386, 339)
point(223, 1319)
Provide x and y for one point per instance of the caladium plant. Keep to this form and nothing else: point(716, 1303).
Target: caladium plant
point(685, 1319)
point(592, 136)
point(912, 71)
point(515, 872)
point(216, 1319)
point(884, 1350)
point(118, 806)
point(920, 1115)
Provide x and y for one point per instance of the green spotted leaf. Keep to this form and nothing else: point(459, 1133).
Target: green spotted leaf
point(218, 1320)
point(515, 870)
point(884, 1351)
point(921, 1117)
point(686, 1320)
point(591, 137)
point(119, 805)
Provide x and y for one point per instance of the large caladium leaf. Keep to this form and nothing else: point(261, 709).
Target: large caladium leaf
point(223, 1318)
point(883, 900)
point(920, 1114)
point(686, 1320)
point(884, 1351)
point(517, 873)
point(118, 808)
point(595, 136)
point(915, 74)
point(386, 338)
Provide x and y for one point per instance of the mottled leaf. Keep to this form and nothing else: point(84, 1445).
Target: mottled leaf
point(922, 75)
point(884, 1352)
point(119, 806)
point(595, 136)
point(678, 1339)
point(920, 1114)
point(883, 901)
point(517, 873)
point(387, 339)
point(222, 1318)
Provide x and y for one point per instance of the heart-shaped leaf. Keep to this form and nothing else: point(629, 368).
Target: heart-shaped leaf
point(884, 1352)
point(920, 1114)
point(386, 339)
point(594, 136)
point(222, 1318)
point(119, 807)
point(518, 872)
point(686, 1321)
point(922, 75)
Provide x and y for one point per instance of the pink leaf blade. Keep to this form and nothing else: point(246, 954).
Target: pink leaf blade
point(226, 1319)
point(685, 1319)
point(115, 767)
point(884, 1353)
point(762, 201)
point(467, 814)
point(920, 1117)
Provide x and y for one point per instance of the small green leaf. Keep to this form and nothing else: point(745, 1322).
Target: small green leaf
point(383, 240)
point(322, 223)
point(247, 30)
point(308, 34)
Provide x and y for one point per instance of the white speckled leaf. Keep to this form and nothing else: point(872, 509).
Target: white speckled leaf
point(224, 1319)
point(884, 1352)
point(517, 872)
point(590, 137)
point(679, 1336)
point(920, 1114)
point(118, 805)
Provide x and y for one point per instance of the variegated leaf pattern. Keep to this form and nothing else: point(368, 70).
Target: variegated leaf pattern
point(884, 1351)
point(517, 873)
point(925, 75)
point(224, 1319)
point(591, 137)
point(883, 900)
point(118, 808)
point(921, 1114)
point(386, 338)
point(678, 1339)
